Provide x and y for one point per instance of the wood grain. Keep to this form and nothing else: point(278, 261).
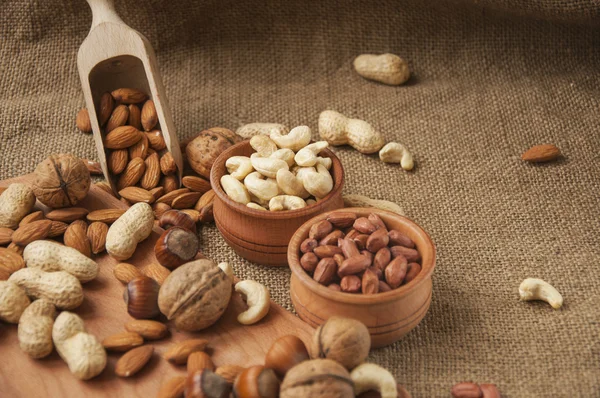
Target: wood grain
point(104, 313)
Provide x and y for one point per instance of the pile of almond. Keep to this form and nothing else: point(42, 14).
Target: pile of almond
point(359, 255)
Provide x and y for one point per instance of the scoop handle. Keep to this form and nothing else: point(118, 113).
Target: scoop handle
point(103, 11)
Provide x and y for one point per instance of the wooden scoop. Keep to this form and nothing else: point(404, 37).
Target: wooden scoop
point(115, 56)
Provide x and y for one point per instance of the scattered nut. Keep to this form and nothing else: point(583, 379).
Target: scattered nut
point(397, 153)
point(369, 376)
point(13, 301)
point(141, 298)
point(258, 300)
point(337, 129)
point(537, 289)
point(131, 228)
point(15, 203)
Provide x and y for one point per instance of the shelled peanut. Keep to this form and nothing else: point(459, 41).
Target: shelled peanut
point(359, 254)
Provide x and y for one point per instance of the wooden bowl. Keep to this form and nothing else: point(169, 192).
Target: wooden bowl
point(388, 316)
point(263, 236)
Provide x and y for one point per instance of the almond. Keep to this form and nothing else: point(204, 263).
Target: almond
point(129, 95)
point(194, 214)
point(68, 214)
point(206, 214)
point(397, 238)
point(168, 198)
point(157, 272)
point(173, 388)
point(341, 219)
point(136, 195)
point(325, 271)
point(364, 226)
point(167, 164)
point(122, 137)
point(199, 361)
point(382, 258)
point(206, 199)
point(229, 372)
point(107, 104)
point(157, 192)
point(186, 200)
point(132, 174)
point(353, 265)
point(370, 282)
point(105, 215)
point(35, 216)
point(5, 236)
point(377, 240)
point(149, 116)
point(118, 118)
point(151, 176)
point(140, 149)
point(125, 272)
point(104, 186)
point(58, 228)
point(160, 209)
point(96, 234)
point(178, 354)
point(83, 121)
point(35, 230)
point(395, 272)
point(320, 230)
point(170, 183)
point(123, 341)
point(541, 153)
point(131, 362)
point(148, 329)
point(156, 139)
point(15, 248)
point(196, 184)
point(117, 160)
point(332, 238)
point(135, 117)
point(93, 167)
point(10, 261)
point(327, 251)
point(76, 237)
point(410, 254)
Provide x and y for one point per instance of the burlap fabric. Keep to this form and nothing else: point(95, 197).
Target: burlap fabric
point(490, 79)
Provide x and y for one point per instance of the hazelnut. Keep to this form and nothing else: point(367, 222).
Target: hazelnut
point(318, 378)
point(344, 340)
point(195, 295)
point(206, 384)
point(285, 353)
point(61, 181)
point(176, 218)
point(176, 246)
point(141, 297)
point(256, 382)
point(204, 149)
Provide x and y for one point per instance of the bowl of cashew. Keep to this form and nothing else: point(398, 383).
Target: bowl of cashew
point(259, 235)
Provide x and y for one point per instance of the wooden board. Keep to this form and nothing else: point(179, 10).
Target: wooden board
point(104, 313)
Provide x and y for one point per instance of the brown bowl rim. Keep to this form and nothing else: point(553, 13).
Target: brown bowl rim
point(351, 298)
point(274, 215)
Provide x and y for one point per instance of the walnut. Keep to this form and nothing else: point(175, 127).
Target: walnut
point(195, 295)
point(202, 151)
point(344, 340)
point(318, 378)
point(61, 181)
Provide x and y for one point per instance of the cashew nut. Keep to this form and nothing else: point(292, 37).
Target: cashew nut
point(261, 187)
point(327, 162)
point(82, 352)
point(268, 166)
point(286, 202)
point(385, 68)
point(258, 300)
point(225, 267)
point(318, 184)
point(369, 376)
point(284, 154)
point(13, 301)
point(35, 329)
point(290, 184)
point(255, 206)
point(132, 227)
point(235, 189)
point(337, 129)
point(258, 201)
point(263, 145)
point(52, 256)
point(363, 201)
point(311, 202)
point(296, 139)
point(396, 153)
point(307, 156)
point(59, 288)
point(301, 172)
point(239, 167)
point(537, 289)
point(15, 203)
point(252, 129)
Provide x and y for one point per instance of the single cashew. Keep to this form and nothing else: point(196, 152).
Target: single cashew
point(537, 289)
point(52, 256)
point(132, 227)
point(252, 129)
point(318, 184)
point(59, 288)
point(261, 187)
point(255, 206)
point(296, 139)
point(13, 301)
point(286, 202)
point(235, 189)
point(369, 376)
point(290, 184)
point(307, 156)
point(225, 267)
point(258, 300)
point(310, 202)
point(385, 68)
point(284, 154)
point(301, 172)
point(263, 145)
point(337, 129)
point(327, 162)
point(82, 352)
point(15, 203)
point(35, 329)
point(268, 166)
point(258, 201)
point(396, 153)
point(363, 201)
point(239, 167)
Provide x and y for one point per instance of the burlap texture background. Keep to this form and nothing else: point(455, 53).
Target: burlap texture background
point(490, 79)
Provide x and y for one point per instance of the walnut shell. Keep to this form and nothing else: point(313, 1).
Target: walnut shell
point(344, 340)
point(318, 378)
point(203, 150)
point(195, 295)
point(61, 181)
